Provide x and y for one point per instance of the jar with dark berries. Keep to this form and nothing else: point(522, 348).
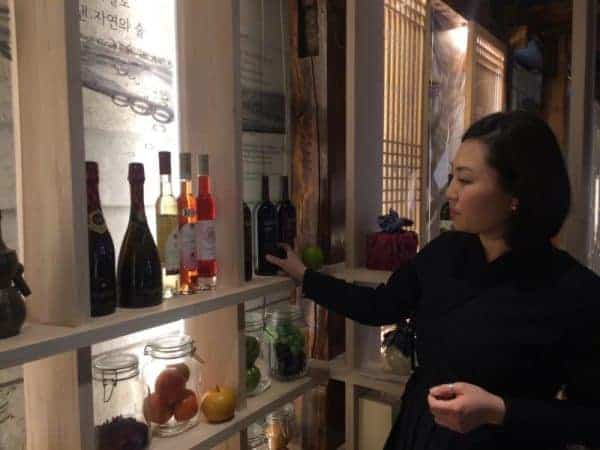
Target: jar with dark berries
point(173, 381)
point(118, 392)
point(286, 334)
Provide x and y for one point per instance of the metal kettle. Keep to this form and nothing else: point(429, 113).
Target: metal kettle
point(12, 289)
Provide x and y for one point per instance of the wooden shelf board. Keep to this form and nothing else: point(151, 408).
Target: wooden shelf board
point(387, 383)
point(39, 341)
point(206, 436)
point(359, 275)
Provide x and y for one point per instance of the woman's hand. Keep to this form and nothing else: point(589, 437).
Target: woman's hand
point(463, 407)
point(292, 265)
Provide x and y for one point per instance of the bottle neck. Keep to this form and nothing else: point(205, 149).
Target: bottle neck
point(285, 193)
point(204, 185)
point(265, 191)
point(166, 188)
point(93, 197)
point(186, 187)
point(137, 201)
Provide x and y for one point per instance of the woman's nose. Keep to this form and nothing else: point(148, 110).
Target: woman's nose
point(451, 193)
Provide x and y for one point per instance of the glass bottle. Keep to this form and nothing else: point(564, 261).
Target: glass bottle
point(247, 242)
point(257, 379)
point(173, 380)
point(206, 246)
point(286, 334)
point(103, 280)
point(187, 213)
point(118, 393)
point(286, 216)
point(166, 228)
point(266, 231)
point(139, 275)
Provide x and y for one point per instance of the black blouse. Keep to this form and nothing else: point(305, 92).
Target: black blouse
point(522, 327)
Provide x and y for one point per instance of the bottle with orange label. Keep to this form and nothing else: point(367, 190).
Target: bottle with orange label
point(206, 250)
point(187, 217)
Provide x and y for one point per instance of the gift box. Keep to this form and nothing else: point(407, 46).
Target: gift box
point(393, 246)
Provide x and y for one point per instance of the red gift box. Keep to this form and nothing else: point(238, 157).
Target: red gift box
point(389, 251)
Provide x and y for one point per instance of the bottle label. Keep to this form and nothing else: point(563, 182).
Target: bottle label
point(206, 249)
point(172, 253)
point(96, 222)
point(187, 246)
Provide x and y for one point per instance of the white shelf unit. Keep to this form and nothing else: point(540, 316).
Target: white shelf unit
point(55, 345)
point(39, 341)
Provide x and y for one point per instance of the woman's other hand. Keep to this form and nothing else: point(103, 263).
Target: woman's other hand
point(292, 265)
point(463, 407)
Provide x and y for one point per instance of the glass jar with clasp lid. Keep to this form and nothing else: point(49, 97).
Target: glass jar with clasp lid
point(257, 379)
point(3, 406)
point(173, 382)
point(281, 427)
point(118, 393)
point(286, 333)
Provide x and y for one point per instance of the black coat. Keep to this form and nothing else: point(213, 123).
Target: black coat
point(522, 327)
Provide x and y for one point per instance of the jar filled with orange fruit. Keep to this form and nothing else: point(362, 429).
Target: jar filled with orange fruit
point(173, 380)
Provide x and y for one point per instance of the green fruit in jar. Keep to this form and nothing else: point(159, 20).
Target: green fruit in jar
point(312, 257)
point(253, 376)
point(252, 351)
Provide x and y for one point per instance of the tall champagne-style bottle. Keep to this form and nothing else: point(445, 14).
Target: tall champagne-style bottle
point(103, 282)
point(206, 245)
point(266, 232)
point(167, 227)
point(139, 273)
point(247, 243)
point(286, 215)
point(187, 214)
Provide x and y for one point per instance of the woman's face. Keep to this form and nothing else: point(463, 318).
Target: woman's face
point(478, 204)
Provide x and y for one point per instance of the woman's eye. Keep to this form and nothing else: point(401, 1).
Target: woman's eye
point(463, 181)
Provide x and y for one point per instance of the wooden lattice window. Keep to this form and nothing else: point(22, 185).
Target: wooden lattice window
point(404, 40)
point(485, 74)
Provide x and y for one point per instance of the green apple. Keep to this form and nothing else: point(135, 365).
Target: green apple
point(312, 257)
point(253, 376)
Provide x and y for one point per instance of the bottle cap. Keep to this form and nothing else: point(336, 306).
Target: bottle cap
point(164, 162)
point(185, 162)
point(91, 171)
point(136, 173)
point(203, 165)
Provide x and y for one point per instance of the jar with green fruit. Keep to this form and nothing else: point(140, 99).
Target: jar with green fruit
point(257, 379)
point(286, 334)
point(173, 384)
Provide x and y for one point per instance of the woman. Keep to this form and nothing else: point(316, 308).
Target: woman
point(504, 319)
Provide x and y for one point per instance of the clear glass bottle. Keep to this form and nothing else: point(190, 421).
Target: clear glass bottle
point(286, 333)
point(173, 380)
point(281, 427)
point(118, 393)
point(167, 228)
point(257, 380)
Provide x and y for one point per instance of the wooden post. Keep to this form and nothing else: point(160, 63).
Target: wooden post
point(583, 68)
point(210, 121)
point(51, 212)
point(364, 126)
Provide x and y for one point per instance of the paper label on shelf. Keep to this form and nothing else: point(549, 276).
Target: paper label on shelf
point(206, 248)
point(187, 246)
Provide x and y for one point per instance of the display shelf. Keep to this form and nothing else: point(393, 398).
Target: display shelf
point(360, 275)
point(206, 436)
point(388, 383)
point(38, 341)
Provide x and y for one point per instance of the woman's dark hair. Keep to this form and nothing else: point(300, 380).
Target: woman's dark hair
point(525, 152)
